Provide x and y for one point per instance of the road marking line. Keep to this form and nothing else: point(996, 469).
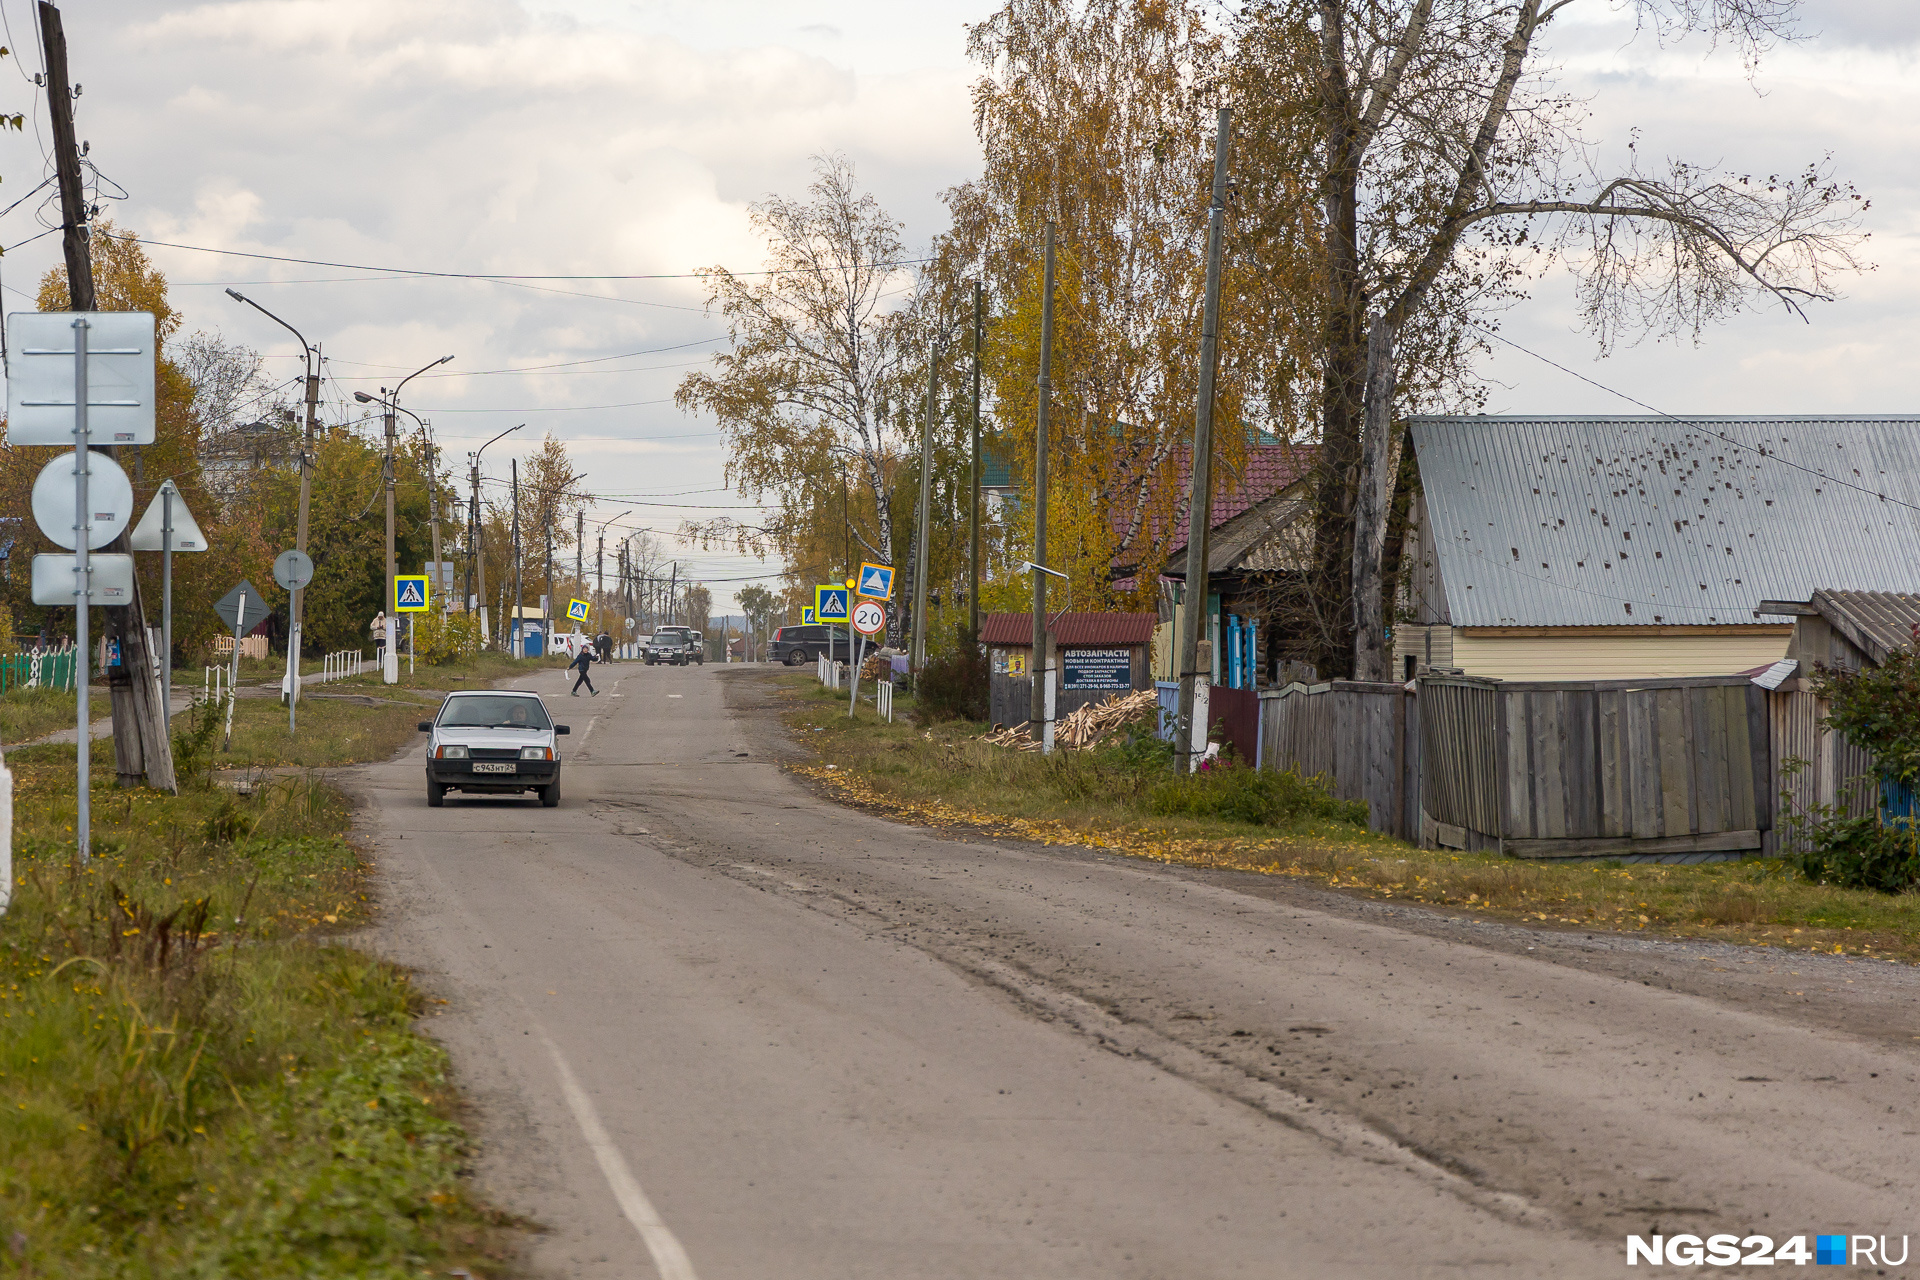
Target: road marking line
point(669, 1259)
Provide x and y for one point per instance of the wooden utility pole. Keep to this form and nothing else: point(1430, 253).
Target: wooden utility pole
point(973, 479)
point(393, 618)
point(433, 517)
point(920, 536)
point(1193, 611)
point(579, 547)
point(1036, 666)
point(142, 746)
point(477, 555)
point(516, 625)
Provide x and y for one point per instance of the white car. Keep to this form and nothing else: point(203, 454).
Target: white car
point(493, 742)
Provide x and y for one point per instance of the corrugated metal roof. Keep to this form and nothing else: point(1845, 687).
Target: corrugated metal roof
point(1015, 630)
point(1626, 521)
point(1876, 622)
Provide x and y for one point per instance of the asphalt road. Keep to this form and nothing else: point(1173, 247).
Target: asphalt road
point(716, 1026)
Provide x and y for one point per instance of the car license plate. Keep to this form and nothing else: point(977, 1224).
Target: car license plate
point(484, 766)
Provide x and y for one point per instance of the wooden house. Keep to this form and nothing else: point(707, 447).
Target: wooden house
point(1641, 548)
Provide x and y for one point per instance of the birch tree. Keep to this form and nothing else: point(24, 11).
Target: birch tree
point(1447, 169)
point(822, 342)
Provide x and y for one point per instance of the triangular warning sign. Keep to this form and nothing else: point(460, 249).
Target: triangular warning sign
point(412, 593)
point(186, 530)
point(876, 582)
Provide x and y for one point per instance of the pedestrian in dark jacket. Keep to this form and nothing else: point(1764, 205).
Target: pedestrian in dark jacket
point(581, 661)
point(605, 645)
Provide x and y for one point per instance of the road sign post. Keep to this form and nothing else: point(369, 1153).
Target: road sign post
point(868, 618)
point(833, 603)
point(167, 527)
point(243, 609)
point(293, 570)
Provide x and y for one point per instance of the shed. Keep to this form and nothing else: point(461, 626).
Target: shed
point(1639, 548)
point(1100, 654)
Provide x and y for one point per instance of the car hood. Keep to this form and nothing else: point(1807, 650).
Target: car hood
point(473, 736)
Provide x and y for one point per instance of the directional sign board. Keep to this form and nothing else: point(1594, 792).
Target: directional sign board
point(111, 577)
point(109, 494)
point(832, 604)
point(147, 535)
point(869, 618)
point(229, 608)
point(807, 616)
point(875, 581)
point(410, 593)
point(40, 370)
point(293, 569)
point(578, 610)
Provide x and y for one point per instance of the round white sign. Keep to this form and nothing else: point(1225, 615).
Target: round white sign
point(869, 618)
point(109, 495)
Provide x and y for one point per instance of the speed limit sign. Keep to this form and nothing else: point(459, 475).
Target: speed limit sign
point(869, 618)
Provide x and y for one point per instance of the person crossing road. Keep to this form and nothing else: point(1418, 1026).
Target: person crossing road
point(581, 662)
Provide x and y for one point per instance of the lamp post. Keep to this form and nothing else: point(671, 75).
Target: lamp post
point(476, 557)
point(296, 607)
point(388, 401)
point(600, 566)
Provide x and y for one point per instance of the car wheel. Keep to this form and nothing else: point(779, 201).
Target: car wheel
point(436, 794)
point(550, 794)
point(796, 658)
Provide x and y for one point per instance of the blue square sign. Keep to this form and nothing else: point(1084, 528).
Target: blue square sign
point(832, 604)
point(875, 581)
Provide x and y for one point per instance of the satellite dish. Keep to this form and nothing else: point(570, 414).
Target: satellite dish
point(109, 493)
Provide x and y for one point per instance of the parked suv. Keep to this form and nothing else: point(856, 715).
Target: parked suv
point(796, 646)
point(676, 645)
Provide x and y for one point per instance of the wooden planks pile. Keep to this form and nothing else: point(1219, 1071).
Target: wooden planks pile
point(1083, 727)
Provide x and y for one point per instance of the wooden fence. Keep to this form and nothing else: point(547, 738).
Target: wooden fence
point(1833, 771)
point(1363, 737)
point(1674, 770)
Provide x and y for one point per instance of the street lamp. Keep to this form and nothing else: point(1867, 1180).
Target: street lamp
point(600, 565)
point(296, 608)
point(388, 406)
point(475, 551)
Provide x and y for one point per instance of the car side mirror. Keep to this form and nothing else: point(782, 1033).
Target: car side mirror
point(561, 728)
point(426, 726)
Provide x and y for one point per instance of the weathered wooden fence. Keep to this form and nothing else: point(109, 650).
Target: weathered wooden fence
point(1674, 770)
point(1832, 770)
point(1364, 737)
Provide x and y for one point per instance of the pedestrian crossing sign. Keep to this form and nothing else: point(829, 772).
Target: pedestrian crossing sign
point(876, 581)
point(833, 603)
point(410, 593)
point(807, 615)
point(578, 610)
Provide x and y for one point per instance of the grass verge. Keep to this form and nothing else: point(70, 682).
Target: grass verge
point(26, 714)
point(476, 671)
point(193, 1082)
point(332, 730)
point(944, 776)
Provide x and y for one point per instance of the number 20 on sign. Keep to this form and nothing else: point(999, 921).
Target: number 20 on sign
point(869, 618)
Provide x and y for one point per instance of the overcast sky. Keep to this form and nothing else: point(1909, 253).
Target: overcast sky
point(613, 138)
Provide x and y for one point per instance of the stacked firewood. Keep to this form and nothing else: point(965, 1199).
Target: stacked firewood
point(1083, 727)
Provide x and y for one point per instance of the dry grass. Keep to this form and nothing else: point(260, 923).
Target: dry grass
point(944, 776)
point(26, 714)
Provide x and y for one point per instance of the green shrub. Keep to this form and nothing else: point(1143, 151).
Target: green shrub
point(1262, 797)
point(1860, 853)
point(956, 685)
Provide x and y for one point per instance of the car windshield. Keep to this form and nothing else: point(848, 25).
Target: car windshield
point(670, 637)
point(493, 711)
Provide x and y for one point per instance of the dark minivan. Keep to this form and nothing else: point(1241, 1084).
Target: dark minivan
point(797, 645)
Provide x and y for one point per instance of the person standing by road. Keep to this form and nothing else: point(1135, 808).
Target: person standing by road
point(379, 628)
point(604, 643)
point(581, 661)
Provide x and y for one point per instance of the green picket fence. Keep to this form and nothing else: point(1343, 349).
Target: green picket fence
point(35, 670)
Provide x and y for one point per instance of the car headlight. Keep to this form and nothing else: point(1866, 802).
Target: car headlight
point(451, 752)
point(536, 753)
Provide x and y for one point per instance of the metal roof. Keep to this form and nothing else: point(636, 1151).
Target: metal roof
point(1675, 521)
point(1015, 630)
point(1875, 622)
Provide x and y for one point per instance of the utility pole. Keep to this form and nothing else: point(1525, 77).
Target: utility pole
point(516, 624)
point(673, 591)
point(548, 522)
point(476, 555)
point(391, 672)
point(1036, 693)
point(920, 538)
point(600, 576)
point(973, 477)
point(433, 516)
point(1193, 612)
point(579, 545)
point(143, 750)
